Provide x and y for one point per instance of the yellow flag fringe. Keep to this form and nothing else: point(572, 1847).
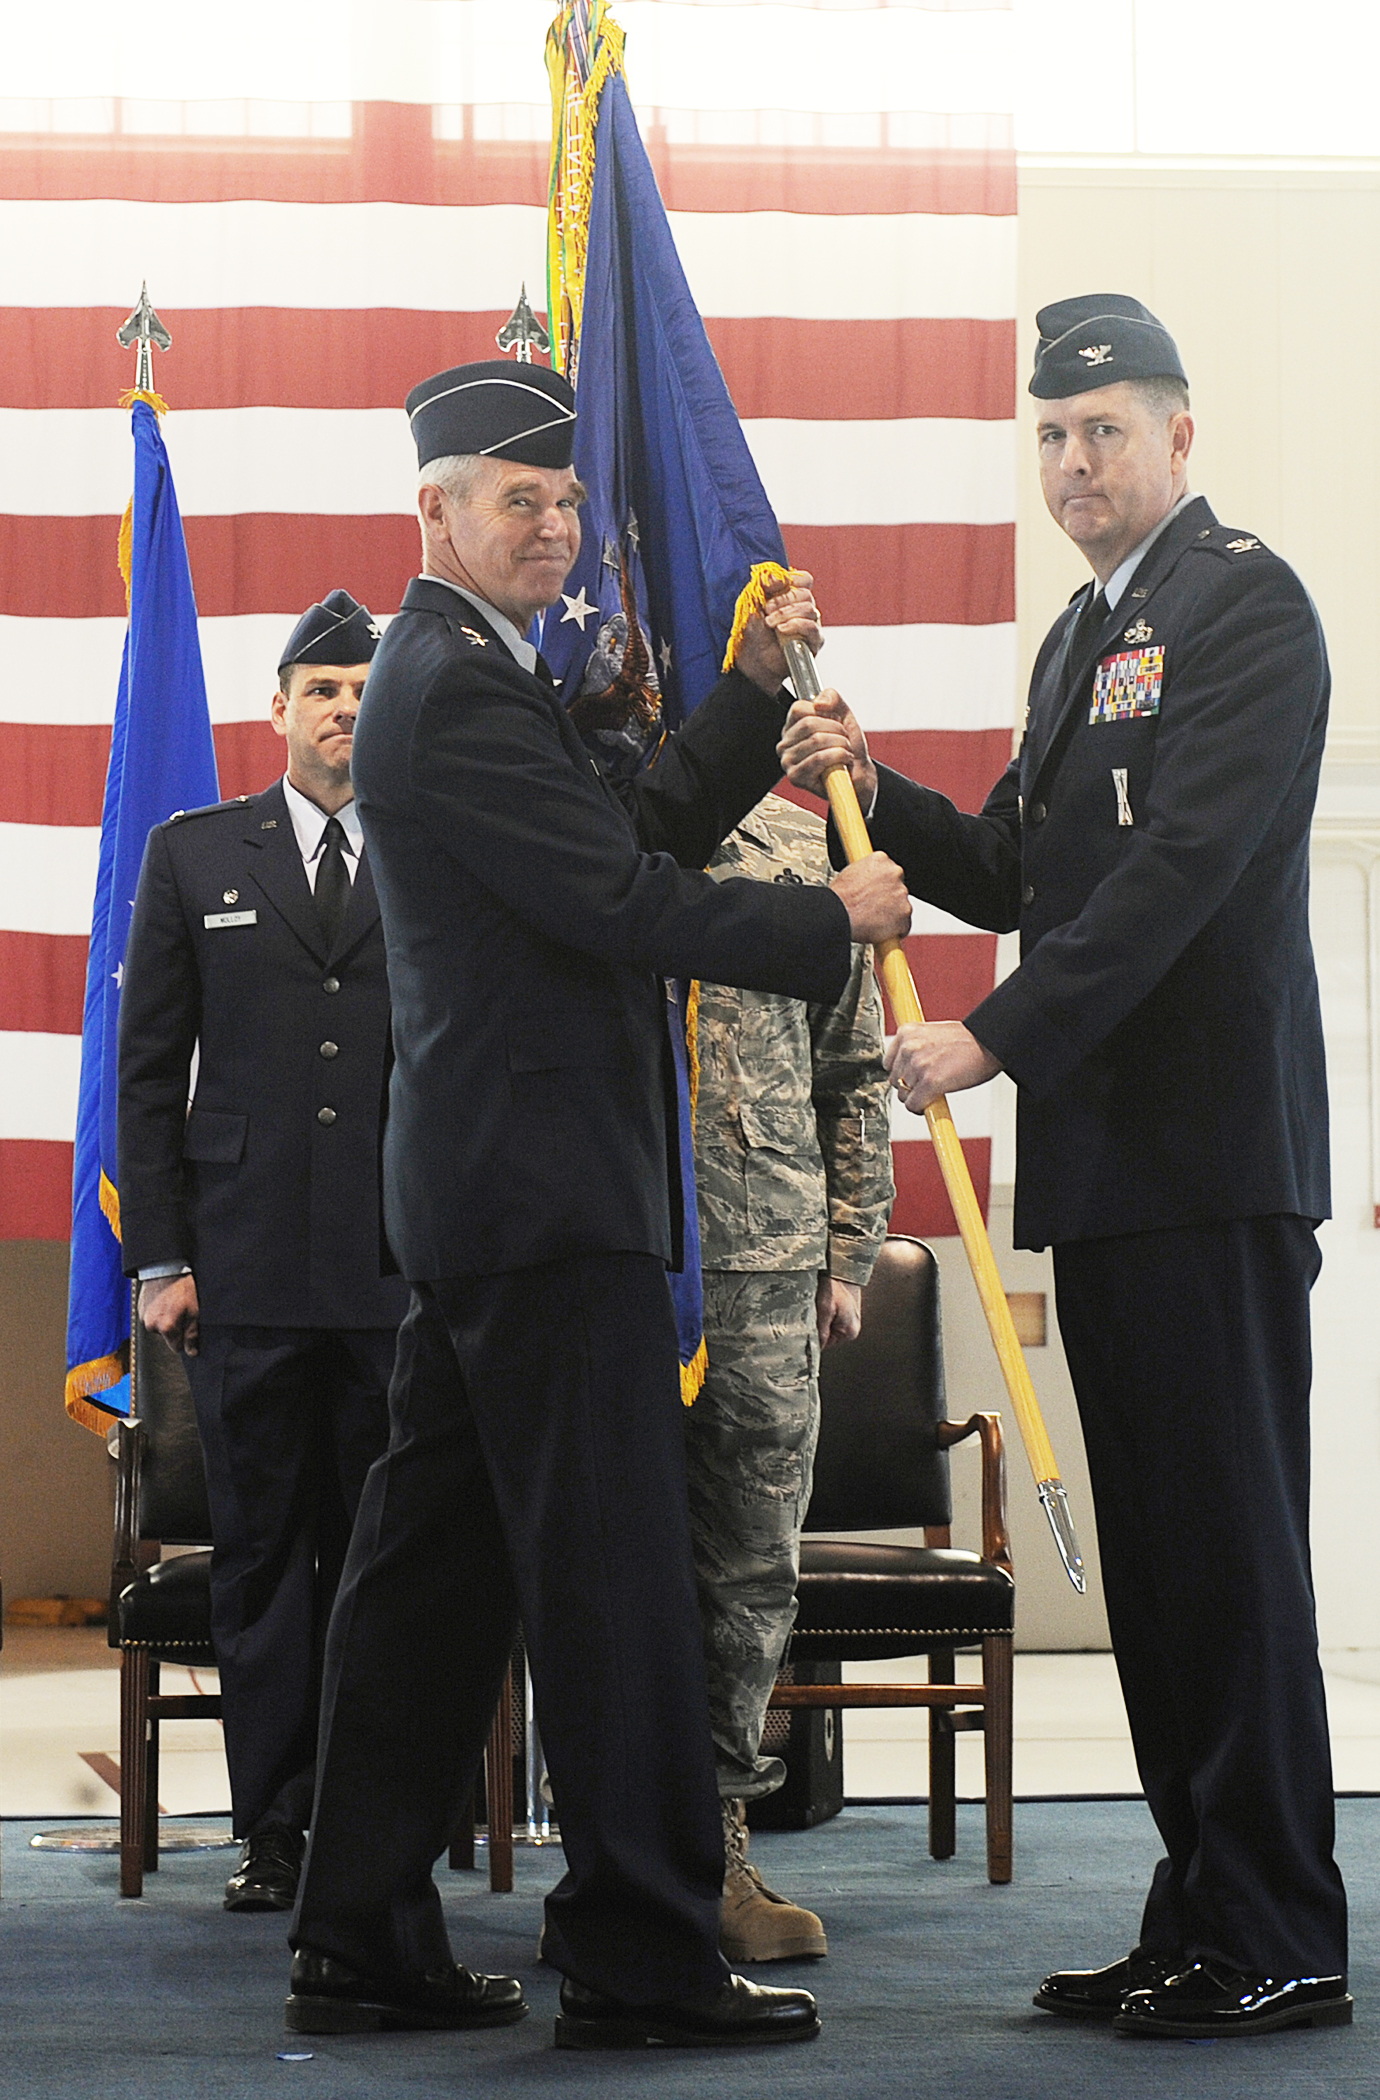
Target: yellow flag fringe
point(692, 1375)
point(86, 1380)
point(752, 599)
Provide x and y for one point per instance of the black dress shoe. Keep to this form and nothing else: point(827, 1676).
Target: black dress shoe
point(1208, 1999)
point(326, 1997)
point(266, 1877)
point(739, 2012)
point(1097, 1994)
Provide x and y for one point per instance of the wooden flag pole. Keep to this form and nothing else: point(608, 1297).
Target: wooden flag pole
point(905, 1004)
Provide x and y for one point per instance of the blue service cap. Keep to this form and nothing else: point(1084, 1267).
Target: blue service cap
point(337, 631)
point(499, 409)
point(1097, 340)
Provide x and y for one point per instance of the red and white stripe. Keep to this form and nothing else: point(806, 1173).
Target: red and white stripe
point(856, 272)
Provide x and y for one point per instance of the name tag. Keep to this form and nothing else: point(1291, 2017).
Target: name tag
point(1127, 686)
point(231, 918)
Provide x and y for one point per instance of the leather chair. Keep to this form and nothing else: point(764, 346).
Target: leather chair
point(160, 1610)
point(883, 1465)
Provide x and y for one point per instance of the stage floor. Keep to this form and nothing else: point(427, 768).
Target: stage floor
point(59, 1733)
point(925, 1994)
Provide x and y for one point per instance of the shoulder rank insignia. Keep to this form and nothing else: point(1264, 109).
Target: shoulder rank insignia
point(1139, 633)
point(1127, 686)
point(481, 641)
point(1242, 546)
point(1098, 354)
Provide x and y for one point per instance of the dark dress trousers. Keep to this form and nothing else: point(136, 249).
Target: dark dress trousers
point(535, 1466)
point(1150, 840)
point(268, 1188)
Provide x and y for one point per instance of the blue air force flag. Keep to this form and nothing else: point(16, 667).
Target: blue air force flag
point(162, 759)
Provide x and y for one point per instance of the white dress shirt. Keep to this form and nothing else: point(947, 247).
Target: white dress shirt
point(309, 828)
point(1116, 583)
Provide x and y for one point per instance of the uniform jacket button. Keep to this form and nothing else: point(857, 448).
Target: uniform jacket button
point(325, 1115)
point(1038, 812)
point(1028, 894)
point(331, 984)
point(330, 1049)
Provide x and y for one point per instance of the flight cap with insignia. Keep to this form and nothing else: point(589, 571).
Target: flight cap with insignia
point(501, 410)
point(337, 631)
point(1097, 340)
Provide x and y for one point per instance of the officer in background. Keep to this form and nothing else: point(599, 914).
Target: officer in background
point(1151, 842)
point(793, 1170)
point(252, 1218)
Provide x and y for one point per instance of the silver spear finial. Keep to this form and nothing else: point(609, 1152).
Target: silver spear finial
point(144, 328)
point(523, 332)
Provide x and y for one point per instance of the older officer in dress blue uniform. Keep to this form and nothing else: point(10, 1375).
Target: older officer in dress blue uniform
point(253, 1217)
point(1151, 842)
point(536, 1463)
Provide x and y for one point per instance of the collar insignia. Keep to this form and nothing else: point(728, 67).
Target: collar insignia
point(1098, 354)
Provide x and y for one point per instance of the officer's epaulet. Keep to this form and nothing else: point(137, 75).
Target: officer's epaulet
point(180, 816)
point(1228, 542)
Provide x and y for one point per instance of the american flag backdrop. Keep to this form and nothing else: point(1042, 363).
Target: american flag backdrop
point(347, 198)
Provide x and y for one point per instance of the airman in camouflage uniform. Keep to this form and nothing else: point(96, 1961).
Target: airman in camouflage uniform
point(793, 1165)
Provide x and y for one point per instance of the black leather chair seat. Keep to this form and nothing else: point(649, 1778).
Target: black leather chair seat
point(167, 1609)
point(866, 1602)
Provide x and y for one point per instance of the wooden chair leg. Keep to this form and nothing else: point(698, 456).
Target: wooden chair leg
point(498, 1785)
point(942, 1819)
point(461, 1855)
point(151, 1783)
point(134, 1700)
point(997, 1667)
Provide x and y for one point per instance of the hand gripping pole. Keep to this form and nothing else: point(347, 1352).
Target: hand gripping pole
point(905, 1004)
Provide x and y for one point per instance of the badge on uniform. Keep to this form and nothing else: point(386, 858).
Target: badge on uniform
point(1127, 686)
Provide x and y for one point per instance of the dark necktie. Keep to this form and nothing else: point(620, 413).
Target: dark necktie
point(332, 882)
point(1090, 622)
point(1086, 629)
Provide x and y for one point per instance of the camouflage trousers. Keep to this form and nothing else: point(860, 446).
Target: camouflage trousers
point(750, 1446)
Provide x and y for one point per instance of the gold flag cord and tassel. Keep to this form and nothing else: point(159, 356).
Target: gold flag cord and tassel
point(575, 94)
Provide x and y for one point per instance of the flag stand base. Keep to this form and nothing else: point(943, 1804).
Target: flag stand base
point(97, 1837)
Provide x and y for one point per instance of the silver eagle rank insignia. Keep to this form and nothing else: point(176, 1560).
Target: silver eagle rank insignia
point(1098, 354)
point(1241, 546)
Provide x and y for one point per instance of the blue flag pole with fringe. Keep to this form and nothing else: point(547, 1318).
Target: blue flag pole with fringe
point(162, 759)
point(678, 527)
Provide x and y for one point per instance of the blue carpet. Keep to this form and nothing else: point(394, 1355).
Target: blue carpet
point(926, 1993)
